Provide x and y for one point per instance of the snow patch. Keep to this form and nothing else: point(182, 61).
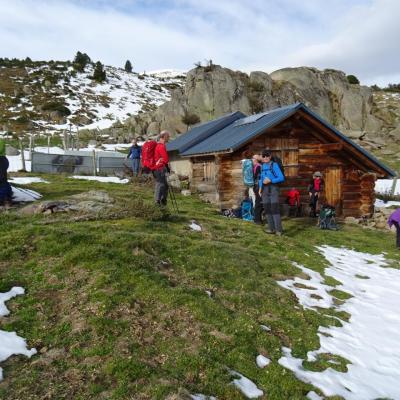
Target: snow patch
point(246, 386)
point(26, 180)
point(104, 179)
point(369, 340)
point(199, 396)
point(24, 195)
point(10, 342)
point(262, 361)
point(385, 186)
point(195, 227)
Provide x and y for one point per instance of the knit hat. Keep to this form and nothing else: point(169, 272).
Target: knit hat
point(317, 174)
point(2, 147)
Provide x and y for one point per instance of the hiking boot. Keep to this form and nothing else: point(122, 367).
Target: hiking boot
point(269, 231)
point(279, 233)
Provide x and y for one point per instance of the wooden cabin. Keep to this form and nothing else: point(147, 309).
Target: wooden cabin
point(211, 153)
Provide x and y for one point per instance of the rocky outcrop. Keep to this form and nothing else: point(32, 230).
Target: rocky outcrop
point(212, 91)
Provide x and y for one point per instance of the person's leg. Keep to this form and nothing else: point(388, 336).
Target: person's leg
point(397, 234)
point(164, 187)
point(275, 211)
point(158, 186)
point(257, 208)
point(270, 226)
point(135, 166)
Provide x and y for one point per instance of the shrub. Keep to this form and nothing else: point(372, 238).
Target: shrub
point(353, 80)
point(190, 119)
point(256, 86)
point(56, 106)
point(80, 61)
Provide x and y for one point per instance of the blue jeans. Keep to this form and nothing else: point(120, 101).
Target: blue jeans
point(135, 166)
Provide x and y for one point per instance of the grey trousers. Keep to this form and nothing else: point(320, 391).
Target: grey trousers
point(135, 166)
point(270, 199)
point(161, 189)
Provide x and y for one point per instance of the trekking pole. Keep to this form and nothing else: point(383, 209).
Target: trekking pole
point(173, 200)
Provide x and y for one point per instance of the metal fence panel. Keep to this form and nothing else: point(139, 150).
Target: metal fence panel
point(111, 165)
point(60, 163)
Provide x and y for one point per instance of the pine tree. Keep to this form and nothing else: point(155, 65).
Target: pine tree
point(190, 119)
point(80, 61)
point(99, 75)
point(128, 66)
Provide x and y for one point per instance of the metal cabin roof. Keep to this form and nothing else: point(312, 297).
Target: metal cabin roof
point(201, 132)
point(242, 130)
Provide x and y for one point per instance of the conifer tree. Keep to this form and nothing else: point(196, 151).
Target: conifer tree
point(99, 75)
point(80, 61)
point(128, 66)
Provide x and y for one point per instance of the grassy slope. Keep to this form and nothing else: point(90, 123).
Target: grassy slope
point(117, 306)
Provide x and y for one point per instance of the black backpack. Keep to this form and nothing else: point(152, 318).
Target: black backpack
point(277, 160)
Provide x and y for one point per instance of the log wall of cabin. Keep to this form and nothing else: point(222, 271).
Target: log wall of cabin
point(204, 177)
point(303, 151)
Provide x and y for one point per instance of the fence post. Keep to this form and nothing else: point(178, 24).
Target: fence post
point(94, 163)
point(394, 184)
point(30, 146)
point(22, 155)
point(48, 144)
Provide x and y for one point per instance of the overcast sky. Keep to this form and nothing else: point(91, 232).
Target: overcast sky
point(360, 37)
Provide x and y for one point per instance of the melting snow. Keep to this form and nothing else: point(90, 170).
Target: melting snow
point(24, 195)
point(381, 204)
point(10, 342)
point(199, 396)
point(194, 226)
point(246, 386)
point(262, 361)
point(370, 340)
point(26, 180)
point(104, 179)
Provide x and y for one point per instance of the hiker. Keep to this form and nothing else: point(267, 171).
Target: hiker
point(161, 169)
point(5, 187)
point(270, 176)
point(134, 155)
point(293, 200)
point(256, 159)
point(394, 219)
point(315, 189)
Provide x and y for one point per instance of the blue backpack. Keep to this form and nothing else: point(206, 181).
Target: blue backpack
point(247, 210)
point(248, 176)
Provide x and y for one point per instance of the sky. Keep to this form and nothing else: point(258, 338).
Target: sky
point(359, 37)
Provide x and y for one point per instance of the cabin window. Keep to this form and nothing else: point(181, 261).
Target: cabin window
point(209, 171)
point(288, 151)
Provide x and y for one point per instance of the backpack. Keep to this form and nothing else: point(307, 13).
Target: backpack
point(277, 160)
point(247, 170)
point(148, 161)
point(247, 210)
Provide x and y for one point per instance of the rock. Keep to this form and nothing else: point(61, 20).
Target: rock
point(57, 116)
point(82, 119)
point(380, 225)
point(186, 192)
point(12, 151)
point(93, 195)
point(174, 181)
point(351, 220)
point(27, 90)
point(30, 209)
point(92, 143)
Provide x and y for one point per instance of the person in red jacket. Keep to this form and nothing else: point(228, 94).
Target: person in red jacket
point(161, 169)
point(293, 199)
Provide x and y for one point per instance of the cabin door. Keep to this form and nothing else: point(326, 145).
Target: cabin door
point(333, 187)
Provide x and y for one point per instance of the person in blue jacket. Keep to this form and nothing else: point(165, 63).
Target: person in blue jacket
point(270, 176)
point(135, 153)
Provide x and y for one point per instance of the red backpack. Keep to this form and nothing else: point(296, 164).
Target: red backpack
point(148, 161)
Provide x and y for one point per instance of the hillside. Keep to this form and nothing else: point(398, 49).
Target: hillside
point(49, 96)
point(133, 304)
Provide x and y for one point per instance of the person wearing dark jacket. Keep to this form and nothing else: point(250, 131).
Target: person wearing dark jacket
point(256, 159)
point(394, 219)
point(270, 176)
point(134, 155)
point(315, 188)
point(5, 187)
point(161, 169)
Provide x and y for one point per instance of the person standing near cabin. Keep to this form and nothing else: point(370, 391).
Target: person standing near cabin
point(394, 219)
point(271, 175)
point(256, 159)
point(161, 169)
point(134, 155)
point(315, 188)
point(5, 188)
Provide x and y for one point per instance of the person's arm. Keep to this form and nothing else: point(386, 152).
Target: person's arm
point(130, 152)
